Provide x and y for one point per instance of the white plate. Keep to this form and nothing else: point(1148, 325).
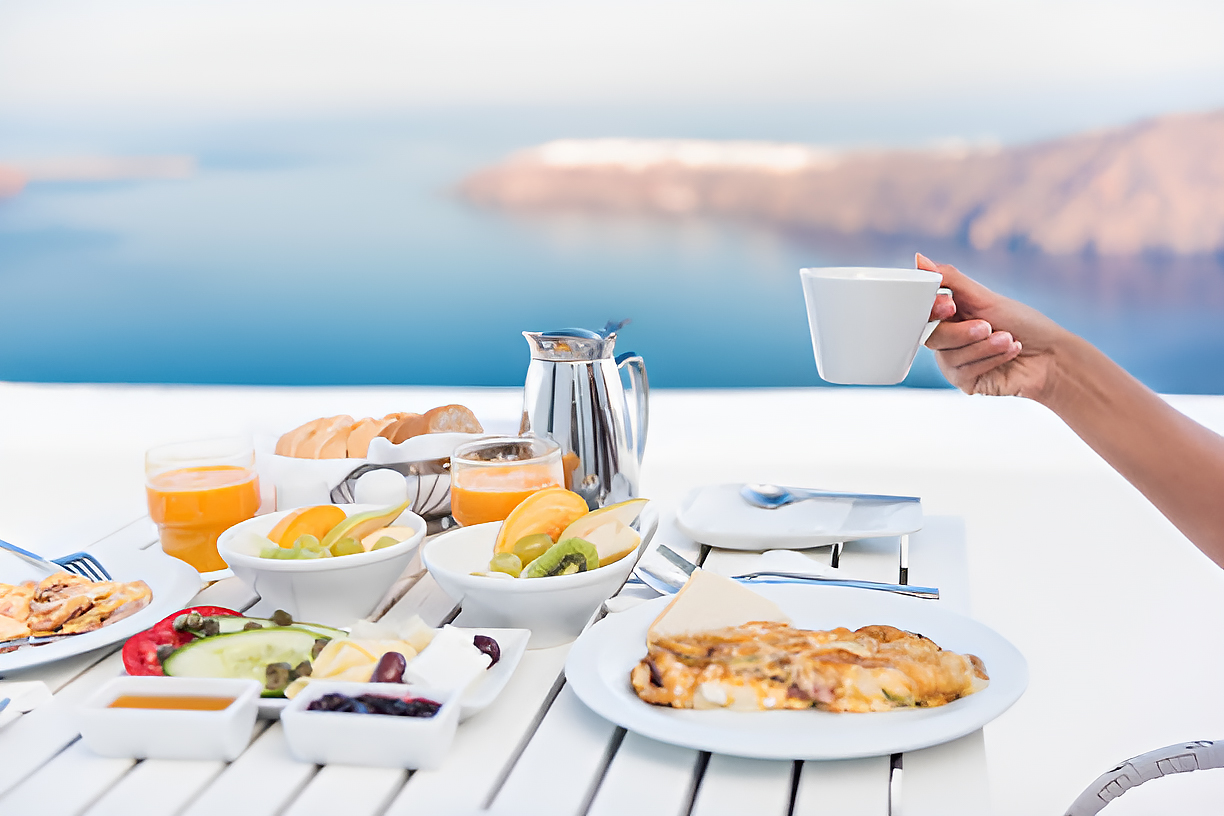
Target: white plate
point(174, 584)
point(719, 516)
point(600, 661)
point(512, 642)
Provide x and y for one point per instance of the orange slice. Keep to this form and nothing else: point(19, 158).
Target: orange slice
point(549, 511)
point(315, 521)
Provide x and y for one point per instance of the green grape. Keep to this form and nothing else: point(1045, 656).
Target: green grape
point(508, 563)
point(307, 542)
point(347, 546)
point(530, 547)
point(385, 541)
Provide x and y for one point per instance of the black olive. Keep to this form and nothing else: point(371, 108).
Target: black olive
point(390, 669)
point(489, 646)
point(282, 618)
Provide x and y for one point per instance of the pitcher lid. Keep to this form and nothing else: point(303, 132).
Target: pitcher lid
point(570, 345)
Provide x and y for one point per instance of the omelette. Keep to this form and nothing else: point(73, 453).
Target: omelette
point(771, 665)
point(67, 604)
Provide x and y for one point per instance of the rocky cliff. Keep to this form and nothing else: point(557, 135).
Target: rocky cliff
point(1154, 186)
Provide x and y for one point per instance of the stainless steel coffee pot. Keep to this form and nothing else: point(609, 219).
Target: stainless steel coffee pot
point(574, 394)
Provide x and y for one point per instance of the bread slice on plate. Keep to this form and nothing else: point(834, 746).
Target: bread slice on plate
point(452, 419)
point(361, 434)
point(712, 601)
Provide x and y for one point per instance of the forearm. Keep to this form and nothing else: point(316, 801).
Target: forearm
point(1175, 462)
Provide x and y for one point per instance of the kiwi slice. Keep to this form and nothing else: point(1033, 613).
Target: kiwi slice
point(564, 558)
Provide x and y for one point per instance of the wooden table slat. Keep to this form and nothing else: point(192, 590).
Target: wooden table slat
point(346, 790)
point(642, 764)
point(856, 787)
point(175, 782)
point(485, 744)
point(733, 786)
point(561, 764)
point(261, 782)
point(41, 734)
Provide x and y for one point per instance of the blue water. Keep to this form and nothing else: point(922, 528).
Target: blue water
point(337, 253)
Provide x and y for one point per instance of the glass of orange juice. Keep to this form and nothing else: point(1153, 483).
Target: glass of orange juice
point(489, 477)
point(196, 491)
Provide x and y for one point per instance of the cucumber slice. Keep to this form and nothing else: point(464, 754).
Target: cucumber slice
point(242, 654)
point(232, 623)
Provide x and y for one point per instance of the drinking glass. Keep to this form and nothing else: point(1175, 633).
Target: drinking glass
point(489, 477)
point(196, 491)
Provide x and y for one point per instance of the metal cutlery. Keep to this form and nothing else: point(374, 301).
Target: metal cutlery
point(78, 563)
point(771, 497)
point(668, 578)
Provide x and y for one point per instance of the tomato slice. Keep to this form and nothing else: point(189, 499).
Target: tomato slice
point(140, 651)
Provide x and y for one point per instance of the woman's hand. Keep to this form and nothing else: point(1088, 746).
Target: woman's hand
point(989, 344)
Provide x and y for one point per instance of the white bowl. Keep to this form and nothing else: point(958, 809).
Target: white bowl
point(379, 740)
point(146, 733)
point(556, 609)
point(333, 591)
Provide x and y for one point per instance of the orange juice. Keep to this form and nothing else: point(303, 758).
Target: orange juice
point(192, 506)
point(478, 496)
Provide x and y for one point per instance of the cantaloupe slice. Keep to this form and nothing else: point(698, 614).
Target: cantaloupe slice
point(608, 529)
point(316, 521)
point(548, 511)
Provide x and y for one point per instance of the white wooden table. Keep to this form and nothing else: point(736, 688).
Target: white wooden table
point(1065, 560)
point(537, 749)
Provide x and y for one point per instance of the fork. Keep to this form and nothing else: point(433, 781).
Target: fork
point(77, 563)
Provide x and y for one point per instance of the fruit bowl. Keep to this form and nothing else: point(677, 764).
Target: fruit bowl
point(556, 608)
point(333, 591)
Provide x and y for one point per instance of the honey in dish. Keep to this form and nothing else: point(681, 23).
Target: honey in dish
point(183, 702)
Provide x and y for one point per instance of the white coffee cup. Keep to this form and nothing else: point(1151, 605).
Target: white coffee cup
point(868, 322)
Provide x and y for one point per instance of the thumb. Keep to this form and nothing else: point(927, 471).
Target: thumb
point(964, 288)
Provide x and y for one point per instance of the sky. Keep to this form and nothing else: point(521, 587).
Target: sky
point(1069, 63)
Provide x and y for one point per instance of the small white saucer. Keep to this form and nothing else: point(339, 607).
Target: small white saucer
point(717, 515)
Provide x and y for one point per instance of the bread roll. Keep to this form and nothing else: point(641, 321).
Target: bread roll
point(452, 419)
point(362, 433)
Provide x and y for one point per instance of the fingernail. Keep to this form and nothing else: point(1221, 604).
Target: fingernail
point(919, 259)
point(1017, 347)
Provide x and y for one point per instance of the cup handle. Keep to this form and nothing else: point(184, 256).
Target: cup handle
point(930, 327)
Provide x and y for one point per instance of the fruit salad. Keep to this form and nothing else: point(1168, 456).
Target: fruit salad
point(553, 533)
point(325, 531)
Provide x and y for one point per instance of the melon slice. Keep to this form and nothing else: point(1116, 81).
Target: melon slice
point(608, 529)
point(548, 511)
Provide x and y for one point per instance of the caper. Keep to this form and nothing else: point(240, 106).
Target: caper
point(193, 620)
point(318, 647)
point(180, 623)
point(282, 618)
point(164, 651)
point(210, 627)
point(276, 676)
point(252, 625)
point(302, 669)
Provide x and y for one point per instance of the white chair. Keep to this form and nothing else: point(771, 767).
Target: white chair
point(1180, 758)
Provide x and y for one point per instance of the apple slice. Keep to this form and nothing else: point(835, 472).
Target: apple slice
point(608, 529)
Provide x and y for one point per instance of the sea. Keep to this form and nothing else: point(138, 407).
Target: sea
point(335, 250)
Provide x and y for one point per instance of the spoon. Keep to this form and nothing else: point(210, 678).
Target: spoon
point(771, 497)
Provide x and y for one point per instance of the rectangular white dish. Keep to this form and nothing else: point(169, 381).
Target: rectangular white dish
point(376, 740)
point(142, 733)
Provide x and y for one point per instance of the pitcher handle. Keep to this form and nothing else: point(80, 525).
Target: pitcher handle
point(639, 388)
